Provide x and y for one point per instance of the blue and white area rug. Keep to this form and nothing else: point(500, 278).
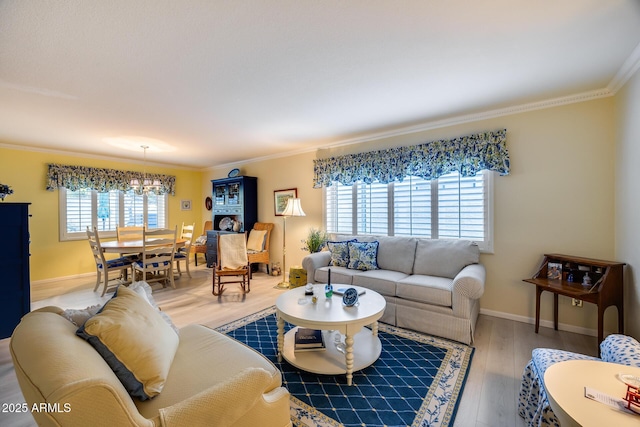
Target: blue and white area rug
point(417, 381)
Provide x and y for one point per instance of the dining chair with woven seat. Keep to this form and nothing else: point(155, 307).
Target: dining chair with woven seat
point(156, 260)
point(182, 254)
point(232, 261)
point(105, 266)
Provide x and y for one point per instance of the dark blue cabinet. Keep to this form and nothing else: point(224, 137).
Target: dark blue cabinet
point(14, 253)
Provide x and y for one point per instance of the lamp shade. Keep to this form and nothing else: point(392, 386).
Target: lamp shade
point(293, 208)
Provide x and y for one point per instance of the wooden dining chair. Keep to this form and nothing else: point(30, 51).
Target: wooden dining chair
point(231, 261)
point(128, 234)
point(105, 266)
point(156, 260)
point(201, 248)
point(182, 254)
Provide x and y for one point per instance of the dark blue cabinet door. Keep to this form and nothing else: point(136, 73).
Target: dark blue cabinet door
point(15, 301)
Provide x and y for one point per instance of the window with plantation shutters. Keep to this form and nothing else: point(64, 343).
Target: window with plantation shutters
point(106, 211)
point(372, 207)
point(339, 209)
point(451, 207)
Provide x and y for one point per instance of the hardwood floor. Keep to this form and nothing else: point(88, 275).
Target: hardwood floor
point(502, 347)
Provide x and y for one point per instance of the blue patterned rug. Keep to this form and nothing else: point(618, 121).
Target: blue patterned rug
point(417, 381)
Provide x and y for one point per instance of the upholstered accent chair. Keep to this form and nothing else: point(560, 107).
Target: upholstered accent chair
point(533, 403)
point(259, 253)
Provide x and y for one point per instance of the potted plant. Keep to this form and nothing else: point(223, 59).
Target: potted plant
point(315, 241)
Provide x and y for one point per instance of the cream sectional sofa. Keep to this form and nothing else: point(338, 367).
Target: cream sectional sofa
point(213, 380)
point(430, 285)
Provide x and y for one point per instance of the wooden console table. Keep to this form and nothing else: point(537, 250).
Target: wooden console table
point(605, 288)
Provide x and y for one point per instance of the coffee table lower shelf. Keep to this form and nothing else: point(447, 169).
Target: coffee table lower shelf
point(330, 361)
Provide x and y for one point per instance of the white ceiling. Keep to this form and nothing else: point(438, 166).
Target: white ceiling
point(227, 81)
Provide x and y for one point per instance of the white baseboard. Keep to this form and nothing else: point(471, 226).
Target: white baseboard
point(544, 323)
point(58, 279)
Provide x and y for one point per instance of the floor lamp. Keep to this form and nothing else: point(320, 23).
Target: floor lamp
point(293, 208)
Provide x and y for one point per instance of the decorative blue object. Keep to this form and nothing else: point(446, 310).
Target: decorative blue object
point(233, 173)
point(350, 297)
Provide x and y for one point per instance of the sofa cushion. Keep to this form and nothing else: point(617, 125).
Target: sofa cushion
point(397, 253)
point(363, 255)
point(339, 253)
point(444, 258)
point(381, 281)
point(338, 275)
point(427, 289)
point(135, 342)
point(205, 358)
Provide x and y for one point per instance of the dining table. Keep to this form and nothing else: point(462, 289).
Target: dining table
point(133, 246)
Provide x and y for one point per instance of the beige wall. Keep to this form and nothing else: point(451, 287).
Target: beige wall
point(559, 197)
point(26, 171)
point(628, 196)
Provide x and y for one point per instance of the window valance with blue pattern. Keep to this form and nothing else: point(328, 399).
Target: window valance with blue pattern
point(102, 180)
point(466, 154)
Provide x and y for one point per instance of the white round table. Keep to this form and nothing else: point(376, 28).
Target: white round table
point(362, 345)
point(565, 383)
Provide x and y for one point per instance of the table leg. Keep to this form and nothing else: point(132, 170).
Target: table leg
point(555, 311)
point(538, 293)
point(280, 337)
point(349, 357)
point(374, 329)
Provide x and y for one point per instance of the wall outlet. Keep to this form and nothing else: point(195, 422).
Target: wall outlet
point(576, 302)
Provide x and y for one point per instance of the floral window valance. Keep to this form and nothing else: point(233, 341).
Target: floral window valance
point(466, 154)
point(102, 180)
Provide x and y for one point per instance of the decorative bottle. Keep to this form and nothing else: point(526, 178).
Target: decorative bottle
point(328, 289)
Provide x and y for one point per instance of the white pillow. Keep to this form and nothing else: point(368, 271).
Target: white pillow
point(256, 240)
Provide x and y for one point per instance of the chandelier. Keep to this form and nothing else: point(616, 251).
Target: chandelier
point(147, 184)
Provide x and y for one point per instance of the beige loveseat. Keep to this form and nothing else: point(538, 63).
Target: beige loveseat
point(213, 380)
point(430, 285)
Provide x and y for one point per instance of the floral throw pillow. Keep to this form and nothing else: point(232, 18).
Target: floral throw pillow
point(339, 253)
point(363, 255)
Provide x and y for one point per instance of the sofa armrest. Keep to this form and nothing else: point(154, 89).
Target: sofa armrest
point(314, 261)
point(621, 349)
point(469, 282)
point(223, 403)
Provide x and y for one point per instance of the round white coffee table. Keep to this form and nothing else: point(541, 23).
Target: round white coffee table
point(362, 346)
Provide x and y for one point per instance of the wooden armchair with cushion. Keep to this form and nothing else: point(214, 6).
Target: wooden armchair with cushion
point(258, 243)
point(199, 247)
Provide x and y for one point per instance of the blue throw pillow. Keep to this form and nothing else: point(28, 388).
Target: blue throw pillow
point(363, 255)
point(339, 253)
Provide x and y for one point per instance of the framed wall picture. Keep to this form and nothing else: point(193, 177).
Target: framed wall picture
point(185, 205)
point(280, 198)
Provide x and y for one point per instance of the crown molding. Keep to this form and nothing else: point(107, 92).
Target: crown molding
point(484, 115)
point(628, 69)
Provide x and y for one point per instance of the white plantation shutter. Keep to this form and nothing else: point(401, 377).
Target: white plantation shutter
point(451, 207)
point(412, 207)
point(155, 211)
point(372, 208)
point(108, 210)
point(339, 209)
point(461, 207)
point(78, 211)
point(134, 209)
